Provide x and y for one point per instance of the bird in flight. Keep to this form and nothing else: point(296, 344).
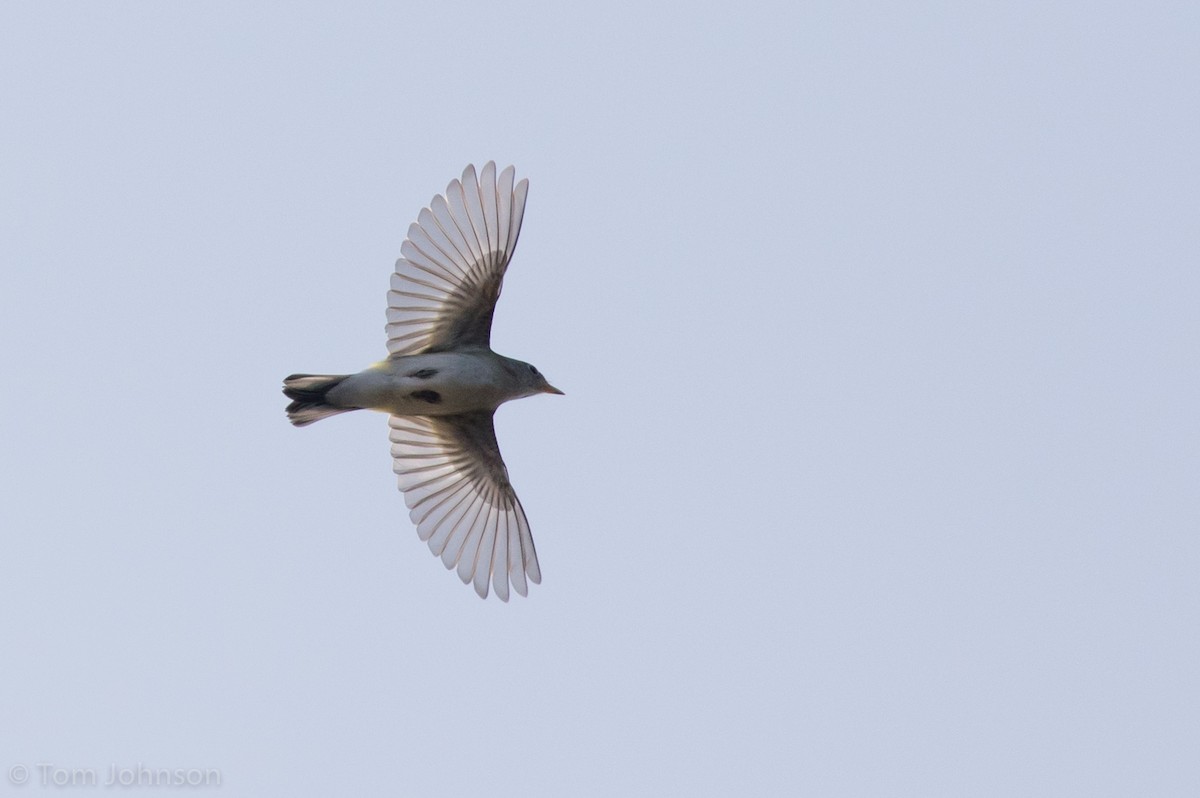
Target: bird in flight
point(441, 383)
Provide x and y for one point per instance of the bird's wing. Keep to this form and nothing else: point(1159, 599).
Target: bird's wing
point(445, 286)
point(457, 490)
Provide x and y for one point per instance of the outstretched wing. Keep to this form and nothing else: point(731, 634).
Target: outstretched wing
point(445, 286)
point(457, 490)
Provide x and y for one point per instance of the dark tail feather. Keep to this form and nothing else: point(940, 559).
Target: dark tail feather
point(307, 392)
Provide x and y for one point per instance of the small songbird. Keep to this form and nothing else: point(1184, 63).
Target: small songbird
point(442, 382)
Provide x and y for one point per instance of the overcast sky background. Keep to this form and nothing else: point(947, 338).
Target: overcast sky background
point(878, 469)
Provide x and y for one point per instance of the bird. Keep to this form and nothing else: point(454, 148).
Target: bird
point(441, 382)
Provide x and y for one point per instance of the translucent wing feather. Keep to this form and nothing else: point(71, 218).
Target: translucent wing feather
point(452, 264)
point(457, 490)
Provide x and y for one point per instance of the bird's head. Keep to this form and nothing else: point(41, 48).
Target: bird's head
point(533, 381)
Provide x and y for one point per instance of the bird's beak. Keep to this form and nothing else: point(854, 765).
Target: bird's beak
point(551, 389)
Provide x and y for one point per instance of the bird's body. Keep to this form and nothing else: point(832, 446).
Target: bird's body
point(442, 382)
point(436, 384)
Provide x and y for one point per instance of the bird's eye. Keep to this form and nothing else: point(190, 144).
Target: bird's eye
point(533, 369)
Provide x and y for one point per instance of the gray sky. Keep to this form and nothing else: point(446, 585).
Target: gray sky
point(877, 470)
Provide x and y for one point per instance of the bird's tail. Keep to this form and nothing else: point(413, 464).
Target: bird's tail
point(307, 392)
